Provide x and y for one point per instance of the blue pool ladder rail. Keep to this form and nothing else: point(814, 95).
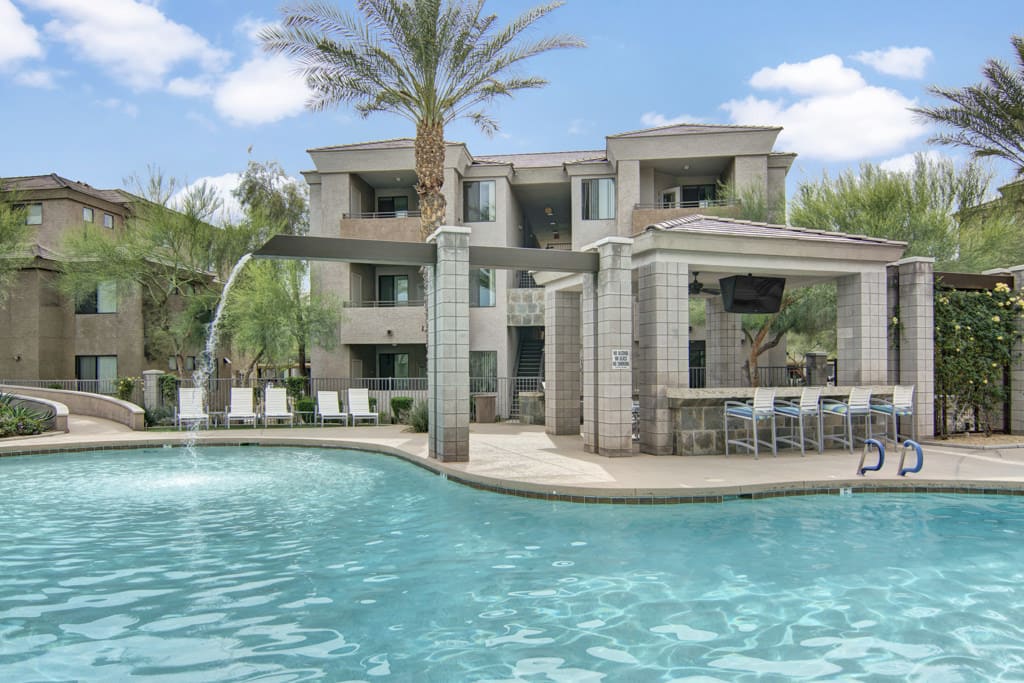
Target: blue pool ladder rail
point(868, 444)
point(908, 445)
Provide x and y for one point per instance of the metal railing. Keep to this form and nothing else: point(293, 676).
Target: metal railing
point(412, 303)
point(560, 246)
point(698, 204)
point(382, 214)
point(105, 387)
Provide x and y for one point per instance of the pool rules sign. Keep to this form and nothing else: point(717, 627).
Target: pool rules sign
point(620, 359)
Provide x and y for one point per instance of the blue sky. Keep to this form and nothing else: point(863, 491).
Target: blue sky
point(98, 90)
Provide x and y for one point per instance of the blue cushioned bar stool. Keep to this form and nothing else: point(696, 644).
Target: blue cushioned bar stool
point(753, 413)
point(901, 405)
point(858, 404)
point(796, 415)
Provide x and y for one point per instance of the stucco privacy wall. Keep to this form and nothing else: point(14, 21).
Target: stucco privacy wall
point(94, 405)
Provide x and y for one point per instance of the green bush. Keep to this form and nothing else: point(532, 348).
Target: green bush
point(306, 406)
point(169, 389)
point(419, 418)
point(400, 406)
point(373, 404)
point(296, 387)
point(21, 420)
point(160, 416)
point(126, 387)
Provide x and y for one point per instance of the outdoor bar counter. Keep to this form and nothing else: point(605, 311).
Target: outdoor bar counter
point(697, 414)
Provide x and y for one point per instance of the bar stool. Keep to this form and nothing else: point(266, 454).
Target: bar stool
point(902, 405)
point(858, 404)
point(797, 415)
point(753, 413)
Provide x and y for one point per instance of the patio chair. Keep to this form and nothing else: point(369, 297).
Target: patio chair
point(359, 406)
point(796, 415)
point(327, 407)
point(241, 407)
point(901, 405)
point(858, 404)
point(761, 408)
point(190, 408)
point(275, 406)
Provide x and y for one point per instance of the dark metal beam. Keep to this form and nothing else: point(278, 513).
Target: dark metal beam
point(517, 258)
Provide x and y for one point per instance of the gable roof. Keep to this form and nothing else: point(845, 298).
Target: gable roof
point(692, 129)
point(714, 225)
point(52, 181)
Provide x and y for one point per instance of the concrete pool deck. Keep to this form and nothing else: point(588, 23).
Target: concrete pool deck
point(524, 460)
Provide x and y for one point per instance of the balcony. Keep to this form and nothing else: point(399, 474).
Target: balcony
point(384, 322)
point(647, 214)
point(396, 226)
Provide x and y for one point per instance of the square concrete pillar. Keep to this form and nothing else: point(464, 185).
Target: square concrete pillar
point(861, 327)
point(448, 345)
point(663, 363)
point(607, 310)
point(1017, 368)
point(723, 348)
point(562, 344)
point(916, 353)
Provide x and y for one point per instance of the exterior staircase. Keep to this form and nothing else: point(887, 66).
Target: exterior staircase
point(529, 370)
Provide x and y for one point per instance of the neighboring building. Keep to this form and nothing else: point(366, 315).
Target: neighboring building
point(553, 200)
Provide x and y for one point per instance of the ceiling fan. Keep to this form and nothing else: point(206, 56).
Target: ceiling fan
point(697, 287)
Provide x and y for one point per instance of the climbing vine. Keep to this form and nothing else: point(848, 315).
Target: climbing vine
point(975, 339)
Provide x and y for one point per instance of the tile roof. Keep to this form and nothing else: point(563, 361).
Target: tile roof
point(691, 128)
point(713, 225)
point(542, 159)
point(395, 143)
point(52, 181)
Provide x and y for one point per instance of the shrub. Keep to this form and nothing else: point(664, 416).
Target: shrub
point(126, 387)
point(163, 415)
point(307, 407)
point(373, 404)
point(400, 406)
point(21, 420)
point(169, 389)
point(419, 418)
point(296, 387)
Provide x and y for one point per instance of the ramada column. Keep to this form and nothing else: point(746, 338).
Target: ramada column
point(562, 362)
point(917, 338)
point(664, 319)
point(448, 345)
point(723, 348)
point(861, 325)
point(607, 309)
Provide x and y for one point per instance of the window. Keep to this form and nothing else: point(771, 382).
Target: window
point(698, 195)
point(394, 365)
point(396, 206)
point(481, 287)
point(108, 221)
point(479, 201)
point(190, 363)
point(87, 214)
point(34, 214)
point(103, 300)
point(483, 371)
point(598, 199)
point(393, 290)
point(96, 373)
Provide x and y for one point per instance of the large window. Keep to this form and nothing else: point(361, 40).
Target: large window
point(103, 300)
point(483, 371)
point(394, 365)
point(393, 290)
point(395, 206)
point(481, 287)
point(190, 363)
point(598, 199)
point(479, 201)
point(99, 373)
point(87, 214)
point(34, 214)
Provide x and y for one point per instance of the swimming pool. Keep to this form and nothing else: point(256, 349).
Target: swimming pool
point(277, 564)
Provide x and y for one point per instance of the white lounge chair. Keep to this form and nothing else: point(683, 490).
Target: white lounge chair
point(275, 406)
point(327, 407)
point(359, 406)
point(190, 408)
point(241, 407)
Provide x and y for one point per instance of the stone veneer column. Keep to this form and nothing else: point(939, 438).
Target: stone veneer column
point(1017, 369)
point(861, 325)
point(917, 337)
point(723, 350)
point(152, 397)
point(562, 362)
point(448, 345)
point(664, 319)
point(607, 310)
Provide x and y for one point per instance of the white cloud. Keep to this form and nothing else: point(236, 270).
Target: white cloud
point(131, 39)
point(126, 108)
point(36, 78)
point(264, 90)
point(822, 75)
point(223, 185)
point(839, 118)
point(905, 62)
point(190, 87)
point(905, 162)
point(18, 40)
point(653, 119)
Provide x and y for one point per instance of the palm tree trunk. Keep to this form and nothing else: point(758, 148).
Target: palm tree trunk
point(429, 149)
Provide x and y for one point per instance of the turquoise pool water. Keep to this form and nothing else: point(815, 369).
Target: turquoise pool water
point(299, 565)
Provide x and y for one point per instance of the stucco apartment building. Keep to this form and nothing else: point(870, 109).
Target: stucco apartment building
point(550, 200)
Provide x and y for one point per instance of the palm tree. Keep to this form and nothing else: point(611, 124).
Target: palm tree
point(429, 61)
point(987, 117)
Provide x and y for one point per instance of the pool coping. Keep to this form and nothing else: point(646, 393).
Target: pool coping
point(552, 492)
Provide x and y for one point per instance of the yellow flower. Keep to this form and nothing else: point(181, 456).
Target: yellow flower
point(995, 318)
point(999, 338)
point(956, 327)
point(895, 320)
point(988, 293)
point(1002, 287)
point(984, 381)
point(995, 365)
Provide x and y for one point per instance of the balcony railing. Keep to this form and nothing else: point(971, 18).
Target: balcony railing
point(700, 204)
point(383, 214)
point(384, 304)
point(561, 246)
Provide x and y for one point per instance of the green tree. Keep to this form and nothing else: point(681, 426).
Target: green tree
point(988, 117)
point(15, 239)
point(271, 314)
point(428, 61)
point(162, 255)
